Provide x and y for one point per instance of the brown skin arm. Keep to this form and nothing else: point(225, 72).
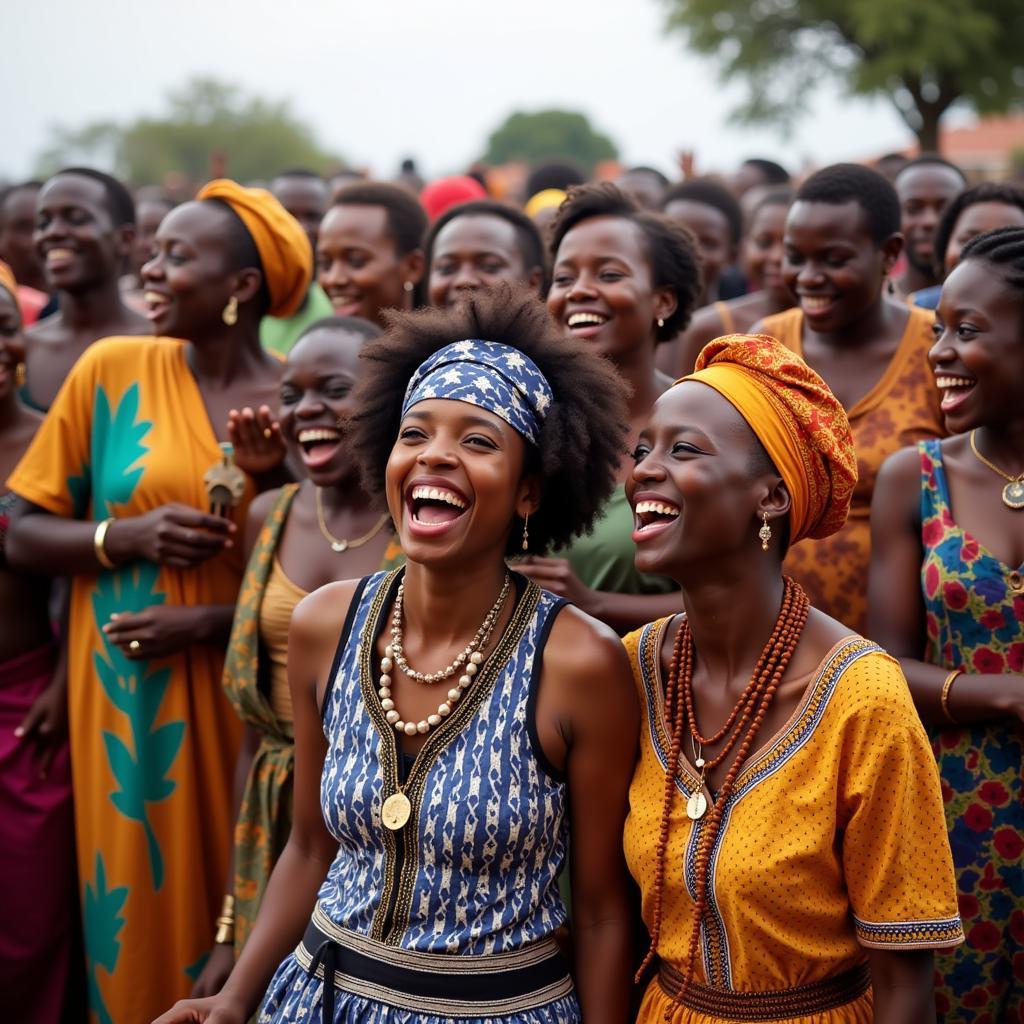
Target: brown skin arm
point(307, 856)
point(902, 981)
point(59, 546)
point(588, 723)
point(896, 613)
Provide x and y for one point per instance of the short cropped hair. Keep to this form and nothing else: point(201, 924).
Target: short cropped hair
point(528, 239)
point(584, 432)
point(407, 220)
point(839, 184)
point(675, 262)
point(119, 199)
point(709, 193)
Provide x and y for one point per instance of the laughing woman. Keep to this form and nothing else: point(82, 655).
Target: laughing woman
point(786, 825)
point(117, 494)
point(624, 281)
point(438, 801)
point(947, 579)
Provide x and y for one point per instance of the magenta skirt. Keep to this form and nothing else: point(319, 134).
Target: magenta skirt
point(38, 891)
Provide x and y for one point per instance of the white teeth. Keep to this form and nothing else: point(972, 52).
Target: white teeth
point(815, 301)
point(657, 507)
point(438, 494)
point(586, 320)
point(317, 434)
point(59, 254)
point(154, 298)
point(953, 382)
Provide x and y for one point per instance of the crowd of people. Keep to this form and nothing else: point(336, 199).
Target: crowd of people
point(604, 603)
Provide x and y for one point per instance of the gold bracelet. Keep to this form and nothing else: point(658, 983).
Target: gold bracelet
point(944, 696)
point(225, 934)
point(97, 544)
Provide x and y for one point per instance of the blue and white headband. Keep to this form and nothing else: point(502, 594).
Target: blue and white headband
point(489, 375)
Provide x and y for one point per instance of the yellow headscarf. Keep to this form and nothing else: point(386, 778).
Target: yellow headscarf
point(801, 424)
point(543, 200)
point(282, 244)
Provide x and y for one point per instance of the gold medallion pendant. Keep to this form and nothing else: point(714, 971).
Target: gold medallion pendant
point(1013, 494)
point(696, 806)
point(396, 811)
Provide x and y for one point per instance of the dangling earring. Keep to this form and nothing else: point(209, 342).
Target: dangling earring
point(230, 314)
point(661, 323)
point(765, 533)
point(19, 375)
point(889, 286)
point(526, 532)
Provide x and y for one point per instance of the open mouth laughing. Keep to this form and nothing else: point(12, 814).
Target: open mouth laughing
point(651, 516)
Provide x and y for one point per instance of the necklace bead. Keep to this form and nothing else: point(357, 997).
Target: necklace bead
point(471, 657)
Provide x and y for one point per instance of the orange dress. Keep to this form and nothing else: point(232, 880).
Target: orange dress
point(900, 410)
point(153, 742)
point(834, 840)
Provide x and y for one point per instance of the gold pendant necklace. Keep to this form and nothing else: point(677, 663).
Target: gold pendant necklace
point(340, 544)
point(395, 811)
point(1013, 492)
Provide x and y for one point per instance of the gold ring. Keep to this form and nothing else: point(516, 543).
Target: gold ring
point(134, 645)
point(268, 433)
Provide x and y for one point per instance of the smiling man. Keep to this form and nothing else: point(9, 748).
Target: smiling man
point(925, 186)
point(85, 225)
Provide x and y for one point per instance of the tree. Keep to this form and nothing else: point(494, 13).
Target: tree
point(209, 126)
point(549, 135)
point(925, 55)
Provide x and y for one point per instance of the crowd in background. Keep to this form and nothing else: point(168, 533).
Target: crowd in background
point(177, 383)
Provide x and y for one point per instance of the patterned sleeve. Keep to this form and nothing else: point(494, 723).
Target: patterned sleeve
point(55, 472)
point(895, 849)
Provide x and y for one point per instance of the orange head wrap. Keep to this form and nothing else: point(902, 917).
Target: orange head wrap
point(796, 417)
point(7, 280)
point(282, 244)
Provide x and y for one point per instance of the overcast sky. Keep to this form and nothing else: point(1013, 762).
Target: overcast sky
point(387, 78)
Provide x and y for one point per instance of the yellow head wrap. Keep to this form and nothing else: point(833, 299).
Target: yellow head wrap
point(801, 424)
point(543, 200)
point(282, 244)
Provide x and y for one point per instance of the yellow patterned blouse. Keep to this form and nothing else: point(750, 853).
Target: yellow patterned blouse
point(900, 410)
point(834, 839)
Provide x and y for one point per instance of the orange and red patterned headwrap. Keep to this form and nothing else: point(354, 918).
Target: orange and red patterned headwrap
point(801, 424)
point(283, 245)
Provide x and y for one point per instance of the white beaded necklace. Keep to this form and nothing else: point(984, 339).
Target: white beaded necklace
point(470, 656)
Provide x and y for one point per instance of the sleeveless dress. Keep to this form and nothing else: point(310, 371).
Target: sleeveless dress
point(472, 878)
point(975, 621)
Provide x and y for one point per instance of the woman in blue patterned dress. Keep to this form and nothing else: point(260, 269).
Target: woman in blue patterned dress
point(438, 800)
point(947, 594)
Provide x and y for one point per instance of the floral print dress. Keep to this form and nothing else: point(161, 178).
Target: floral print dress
point(975, 621)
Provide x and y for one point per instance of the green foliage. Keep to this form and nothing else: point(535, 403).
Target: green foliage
point(101, 913)
point(549, 135)
point(921, 54)
point(206, 121)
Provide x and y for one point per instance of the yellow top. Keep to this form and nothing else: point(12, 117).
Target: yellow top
point(834, 838)
point(279, 600)
point(153, 741)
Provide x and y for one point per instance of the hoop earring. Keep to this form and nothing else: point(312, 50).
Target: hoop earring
point(765, 533)
point(526, 532)
point(19, 375)
point(230, 314)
